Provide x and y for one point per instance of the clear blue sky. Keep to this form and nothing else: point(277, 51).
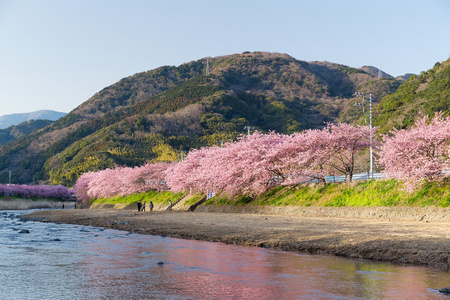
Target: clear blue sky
point(56, 54)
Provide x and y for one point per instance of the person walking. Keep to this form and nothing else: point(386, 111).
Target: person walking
point(143, 206)
point(151, 206)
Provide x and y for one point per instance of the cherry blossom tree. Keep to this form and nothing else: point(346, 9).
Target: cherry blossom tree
point(419, 153)
point(190, 173)
point(342, 143)
point(251, 165)
point(36, 191)
point(81, 187)
point(314, 154)
point(303, 157)
point(151, 176)
point(247, 166)
point(121, 181)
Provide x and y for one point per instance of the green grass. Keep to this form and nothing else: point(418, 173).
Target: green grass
point(194, 199)
point(356, 194)
point(155, 197)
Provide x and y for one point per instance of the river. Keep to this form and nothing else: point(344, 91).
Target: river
point(61, 261)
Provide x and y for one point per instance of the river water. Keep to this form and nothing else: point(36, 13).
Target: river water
point(60, 261)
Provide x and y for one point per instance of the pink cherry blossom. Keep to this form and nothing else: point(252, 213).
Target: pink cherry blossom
point(36, 191)
point(419, 153)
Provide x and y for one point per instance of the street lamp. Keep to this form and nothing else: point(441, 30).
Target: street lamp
point(363, 105)
point(248, 129)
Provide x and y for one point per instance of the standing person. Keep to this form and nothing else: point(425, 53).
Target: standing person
point(143, 206)
point(170, 204)
point(151, 206)
point(139, 205)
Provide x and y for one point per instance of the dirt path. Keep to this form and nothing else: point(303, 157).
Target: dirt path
point(410, 242)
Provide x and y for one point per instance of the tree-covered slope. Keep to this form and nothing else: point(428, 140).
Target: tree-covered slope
point(163, 113)
point(16, 131)
point(424, 94)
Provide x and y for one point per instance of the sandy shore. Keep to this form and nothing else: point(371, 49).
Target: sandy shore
point(424, 243)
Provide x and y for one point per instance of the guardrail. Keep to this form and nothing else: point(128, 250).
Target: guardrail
point(358, 176)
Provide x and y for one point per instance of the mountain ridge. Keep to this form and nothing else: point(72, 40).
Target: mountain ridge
point(17, 118)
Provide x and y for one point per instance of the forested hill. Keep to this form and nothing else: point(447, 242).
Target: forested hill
point(163, 113)
point(424, 94)
point(17, 131)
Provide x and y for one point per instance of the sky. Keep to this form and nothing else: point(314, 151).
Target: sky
point(57, 54)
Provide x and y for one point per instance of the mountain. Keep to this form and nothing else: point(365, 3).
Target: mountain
point(424, 94)
point(160, 114)
point(405, 77)
point(14, 119)
point(17, 131)
point(375, 71)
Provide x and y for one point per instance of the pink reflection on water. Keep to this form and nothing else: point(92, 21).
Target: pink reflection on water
point(125, 267)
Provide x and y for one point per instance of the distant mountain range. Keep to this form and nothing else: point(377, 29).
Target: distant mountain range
point(160, 114)
point(15, 119)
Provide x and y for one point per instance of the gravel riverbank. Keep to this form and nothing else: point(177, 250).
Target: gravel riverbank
point(399, 240)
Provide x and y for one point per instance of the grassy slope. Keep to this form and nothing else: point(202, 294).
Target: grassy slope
point(154, 196)
point(369, 193)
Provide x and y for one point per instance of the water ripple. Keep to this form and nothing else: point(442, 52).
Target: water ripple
point(58, 261)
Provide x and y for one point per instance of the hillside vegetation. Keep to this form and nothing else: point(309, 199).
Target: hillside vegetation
point(160, 114)
point(17, 131)
point(424, 94)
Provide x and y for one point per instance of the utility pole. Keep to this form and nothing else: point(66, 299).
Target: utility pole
point(371, 127)
point(248, 129)
point(207, 66)
point(9, 176)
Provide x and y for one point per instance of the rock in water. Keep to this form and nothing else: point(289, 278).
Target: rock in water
point(24, 231)
point(445, 290)
point(161, 263)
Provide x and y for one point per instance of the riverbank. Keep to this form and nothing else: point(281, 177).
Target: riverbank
point(24, 204)
point(414, 241)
